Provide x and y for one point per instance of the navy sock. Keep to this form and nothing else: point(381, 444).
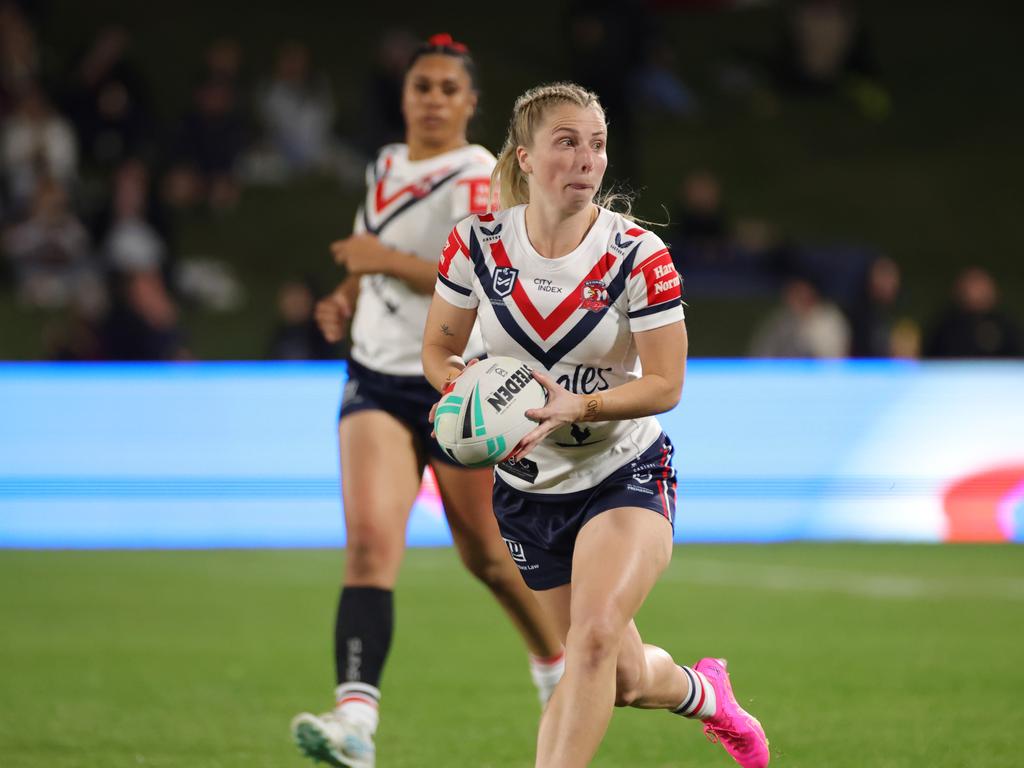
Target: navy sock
point(362, 634)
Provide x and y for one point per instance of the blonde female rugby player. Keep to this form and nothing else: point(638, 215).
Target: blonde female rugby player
point(592, 302)
point(416, 191)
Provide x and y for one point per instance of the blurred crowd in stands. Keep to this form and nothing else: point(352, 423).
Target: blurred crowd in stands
point(91, 180)
point(834, 302)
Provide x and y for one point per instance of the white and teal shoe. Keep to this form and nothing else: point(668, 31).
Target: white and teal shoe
point(334, 739)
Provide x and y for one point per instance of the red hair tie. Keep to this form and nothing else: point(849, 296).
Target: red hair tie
point(444, 40)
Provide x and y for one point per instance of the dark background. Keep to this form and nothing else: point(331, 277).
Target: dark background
point(919, 159)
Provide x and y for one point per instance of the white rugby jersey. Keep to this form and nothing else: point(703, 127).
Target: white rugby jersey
point(411, 206)
point(573, 317)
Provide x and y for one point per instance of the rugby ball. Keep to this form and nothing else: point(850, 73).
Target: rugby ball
point(483, 418)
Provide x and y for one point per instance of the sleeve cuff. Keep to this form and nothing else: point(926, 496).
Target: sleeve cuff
point(455, 294)
point(649, 318)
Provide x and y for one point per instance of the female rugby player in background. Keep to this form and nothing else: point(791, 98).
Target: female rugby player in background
point(415, 192)
point(589, 299)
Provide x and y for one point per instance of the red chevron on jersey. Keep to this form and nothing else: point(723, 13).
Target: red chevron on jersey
point(546, 326)
point(661, 278)
point(635, 232)
point(418, 188)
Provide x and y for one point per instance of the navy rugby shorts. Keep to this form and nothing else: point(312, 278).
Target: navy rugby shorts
point(540, 529)
point(407, 398)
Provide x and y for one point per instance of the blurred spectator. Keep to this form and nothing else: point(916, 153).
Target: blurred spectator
point(297, 110)
point(109, 101)
point(879, 324)
point(297, 336)
point(825, 50)
point(805, 326)
point(224, 63)
point(37, 143)
point(824, 43)
point(143, 320)
point(207, 147)
point(701, 225)
point(50, 254)
point(19, 57)
point(973, 326)
point(382, 122)
point(657, 85)
point(75, 338)
point(130, 241)
point(719, 256)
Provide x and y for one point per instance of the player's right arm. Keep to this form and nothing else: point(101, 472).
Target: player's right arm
point(444, 340)
point(452, 312)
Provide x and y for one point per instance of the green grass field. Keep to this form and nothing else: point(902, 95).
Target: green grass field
point(851, 655)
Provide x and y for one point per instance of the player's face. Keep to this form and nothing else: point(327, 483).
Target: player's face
point(437, 101)
point(568, 159)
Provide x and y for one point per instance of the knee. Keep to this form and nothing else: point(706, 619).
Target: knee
point(369, 550)
point(594, 642)
point(492, 571)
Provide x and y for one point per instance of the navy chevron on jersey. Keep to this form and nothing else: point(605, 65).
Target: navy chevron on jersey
point(411, 206)
point(574, 317)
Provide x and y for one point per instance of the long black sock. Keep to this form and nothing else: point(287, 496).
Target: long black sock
point(362, 634)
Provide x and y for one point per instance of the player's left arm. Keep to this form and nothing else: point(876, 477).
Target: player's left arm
point(662, 352)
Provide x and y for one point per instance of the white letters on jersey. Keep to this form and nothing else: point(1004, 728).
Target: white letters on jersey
point(411, 206)
point(574, 317)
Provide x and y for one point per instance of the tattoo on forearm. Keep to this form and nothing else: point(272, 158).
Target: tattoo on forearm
point(445, 331)
point(592, 408)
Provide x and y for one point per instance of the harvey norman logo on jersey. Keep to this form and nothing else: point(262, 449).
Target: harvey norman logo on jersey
point(663, 282)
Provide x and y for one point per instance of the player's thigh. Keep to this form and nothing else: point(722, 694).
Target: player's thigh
point(618, 557)
point(381, 471)
point(466, 494)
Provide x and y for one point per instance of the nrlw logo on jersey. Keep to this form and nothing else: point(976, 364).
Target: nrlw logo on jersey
point(504, 280)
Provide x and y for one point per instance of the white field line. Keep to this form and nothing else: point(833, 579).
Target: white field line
point(797, 578)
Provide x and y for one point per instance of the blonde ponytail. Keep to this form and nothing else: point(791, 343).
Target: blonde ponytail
point(508, 178)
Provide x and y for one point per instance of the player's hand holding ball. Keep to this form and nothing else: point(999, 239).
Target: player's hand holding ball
point(563, 407)
point(461, 366)
point(482, 414)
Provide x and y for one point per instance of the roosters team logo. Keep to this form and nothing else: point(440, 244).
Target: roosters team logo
point(594, 295)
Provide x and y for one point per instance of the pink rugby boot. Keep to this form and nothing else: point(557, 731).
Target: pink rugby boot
point(738, 731)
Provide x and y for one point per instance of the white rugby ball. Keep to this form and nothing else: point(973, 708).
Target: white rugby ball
point(483, 418)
